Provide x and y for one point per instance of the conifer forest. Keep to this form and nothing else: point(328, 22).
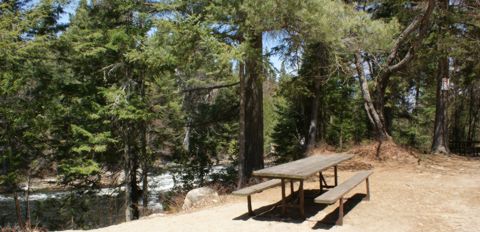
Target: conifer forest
point(104, 97)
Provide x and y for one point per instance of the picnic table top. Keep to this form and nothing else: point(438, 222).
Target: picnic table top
point(302, 168)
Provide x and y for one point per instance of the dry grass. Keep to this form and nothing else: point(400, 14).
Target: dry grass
point(385, 151)
point(18, 229)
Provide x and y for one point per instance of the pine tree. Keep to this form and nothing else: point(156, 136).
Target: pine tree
point(28, 76)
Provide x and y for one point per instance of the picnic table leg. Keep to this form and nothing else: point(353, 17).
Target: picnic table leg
point(291, 187)
point(250, 211)
point(336, 175)
point(323, 182)
point(368, 191)
point(283, 197)
point(302, 199)
point(320, 179)
point(340, 213)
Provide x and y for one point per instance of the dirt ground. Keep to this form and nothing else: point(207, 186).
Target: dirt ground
point(439, 194)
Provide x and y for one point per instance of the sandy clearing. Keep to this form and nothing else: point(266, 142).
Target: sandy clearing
point(439, 195)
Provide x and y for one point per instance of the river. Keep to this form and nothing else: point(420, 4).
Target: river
point(62, 210)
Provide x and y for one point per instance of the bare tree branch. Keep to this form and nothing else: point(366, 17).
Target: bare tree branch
point(420, 23)
point(420, 20)
point(210, 87)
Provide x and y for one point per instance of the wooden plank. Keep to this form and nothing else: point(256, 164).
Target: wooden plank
point(256, 188)
point(302, 199)
point(283, 196)
point(336, 193)
point(249, 204)
point(302, 168)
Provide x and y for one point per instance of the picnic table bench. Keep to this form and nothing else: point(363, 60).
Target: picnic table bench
point(337, 193)
point(248, 191)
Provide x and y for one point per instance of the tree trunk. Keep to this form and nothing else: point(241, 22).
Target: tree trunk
point(128, 190)
point(457, 130)
point(186, 138)
point(440, 135)
point(322, 122)
point(340, 138)
point(145, 158)
point(313, 125)
point(376, 110)
point(474, 109)
point(316, 64)
point(27, 203)
point(134, 185)
point(18, 211)
point(145, 166)
point(379, 103)
point(373, 115)
point(131, 188)
point(253, 97)
point(241, 136)
point(4, 161)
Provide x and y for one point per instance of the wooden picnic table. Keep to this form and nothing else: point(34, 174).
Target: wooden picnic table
point(300, 170)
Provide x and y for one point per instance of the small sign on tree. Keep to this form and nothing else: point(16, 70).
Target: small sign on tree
point(445, 84)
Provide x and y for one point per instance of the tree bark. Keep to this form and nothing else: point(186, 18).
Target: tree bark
point(131, 187)
point(340, 137)
point(145, 166)
point(209, 88)
point(316, 65)
point(18, 211)
point(313, 125)
point(440, 135)
point(145, 158)
point(253, 97)
point(128, 190)
point(254, 107)
point(372, 113)
point(473, 115)
point(27, 203)
point(4, 161)
point(241, 136)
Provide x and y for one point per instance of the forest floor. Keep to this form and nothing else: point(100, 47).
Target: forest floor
point(440, 193)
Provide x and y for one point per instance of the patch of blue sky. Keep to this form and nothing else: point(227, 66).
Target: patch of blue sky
point(69, 10)
point(272, 41)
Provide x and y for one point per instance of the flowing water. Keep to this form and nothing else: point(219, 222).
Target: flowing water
point(75, 210)
point(72, 209)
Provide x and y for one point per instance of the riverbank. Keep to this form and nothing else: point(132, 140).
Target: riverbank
point(439, 194)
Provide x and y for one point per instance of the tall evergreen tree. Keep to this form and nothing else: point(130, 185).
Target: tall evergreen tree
point(28, 79)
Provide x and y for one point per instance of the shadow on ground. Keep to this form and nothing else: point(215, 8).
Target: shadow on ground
point(329, 220)
point(273, 212)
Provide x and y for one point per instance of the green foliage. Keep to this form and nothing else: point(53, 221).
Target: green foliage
point(127, 85)
point(288, 133)
point(210, 133)
point(80, 169)
point(27, 86)
point(347, 123)
point(342, 27)
point(343, 118)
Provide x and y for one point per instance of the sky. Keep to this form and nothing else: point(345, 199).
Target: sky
point(69, 10)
